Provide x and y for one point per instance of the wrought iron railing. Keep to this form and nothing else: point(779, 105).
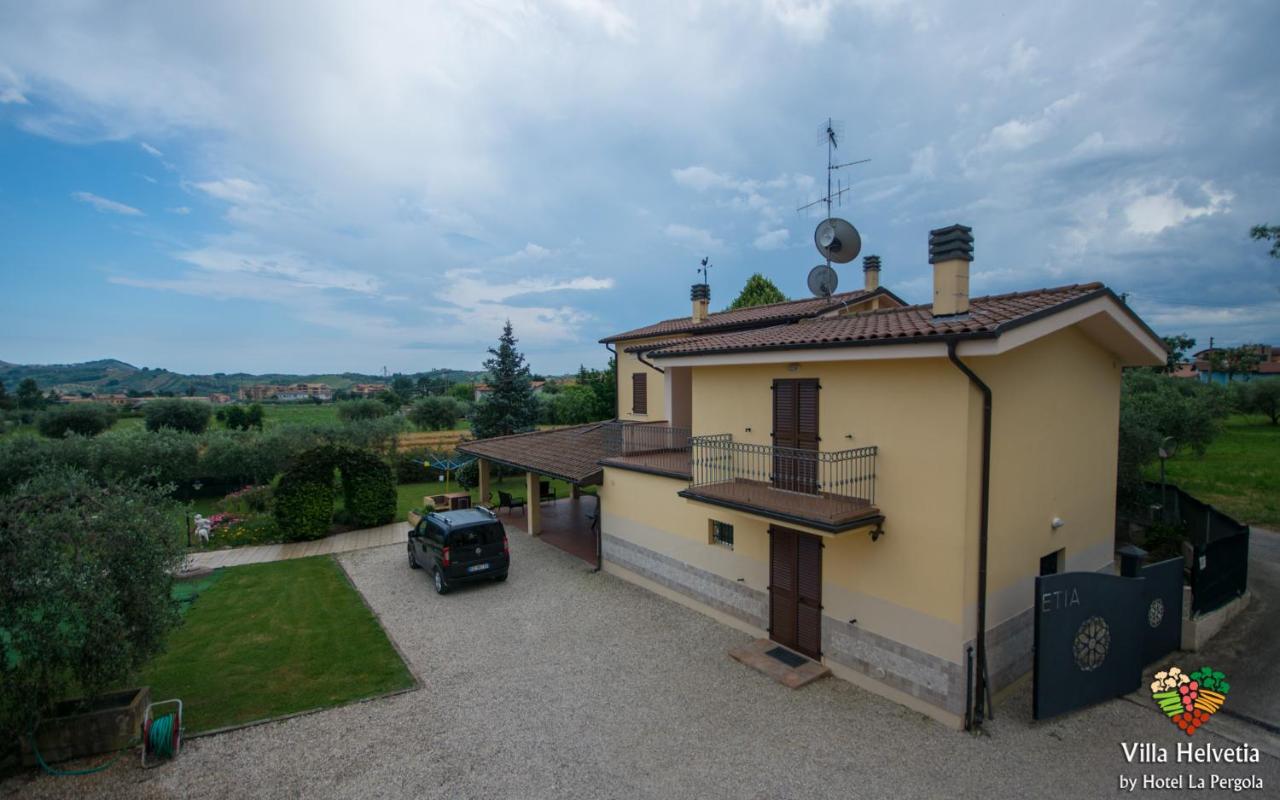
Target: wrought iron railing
point(655, 445)
point(843, 473)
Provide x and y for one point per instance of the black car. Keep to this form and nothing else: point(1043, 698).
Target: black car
point(469, 544)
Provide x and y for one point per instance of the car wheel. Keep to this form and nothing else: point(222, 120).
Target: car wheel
point(437, 578)
point(500, 577)
point(413, 561)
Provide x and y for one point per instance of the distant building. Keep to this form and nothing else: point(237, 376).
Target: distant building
point(367, 389)
point(1268, 365)
point(483, 389)
point(218, 399)
point(296, 392)
point(258, 391)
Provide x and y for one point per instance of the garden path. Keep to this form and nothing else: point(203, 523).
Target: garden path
point(394, 533)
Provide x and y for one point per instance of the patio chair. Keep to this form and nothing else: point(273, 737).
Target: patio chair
point(505, 500)
point(545, 492)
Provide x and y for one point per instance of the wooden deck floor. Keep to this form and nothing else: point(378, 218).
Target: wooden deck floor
point(823, 508)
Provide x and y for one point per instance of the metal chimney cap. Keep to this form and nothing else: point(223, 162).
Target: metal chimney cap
point(871, 263)
point(700, 291)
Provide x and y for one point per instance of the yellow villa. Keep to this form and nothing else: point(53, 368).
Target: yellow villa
point(872, 484)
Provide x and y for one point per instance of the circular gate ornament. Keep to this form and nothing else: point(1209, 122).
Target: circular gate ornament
point(1093, 639)
point(1155, 613)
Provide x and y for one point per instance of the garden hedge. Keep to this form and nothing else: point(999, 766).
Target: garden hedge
point(304, 497)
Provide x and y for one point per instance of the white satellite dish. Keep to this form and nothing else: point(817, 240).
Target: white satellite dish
point(837, 240)
point(823, 281)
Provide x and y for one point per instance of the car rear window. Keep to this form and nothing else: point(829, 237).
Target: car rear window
point(476, 535)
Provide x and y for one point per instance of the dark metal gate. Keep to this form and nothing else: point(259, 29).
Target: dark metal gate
point(1095, 632)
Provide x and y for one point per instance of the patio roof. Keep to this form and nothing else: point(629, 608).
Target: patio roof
point(571, 454)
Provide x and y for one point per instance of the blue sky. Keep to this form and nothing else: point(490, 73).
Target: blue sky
point(315, 187)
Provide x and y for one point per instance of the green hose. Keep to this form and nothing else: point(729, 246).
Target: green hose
point(160, 737)
point(66, 772)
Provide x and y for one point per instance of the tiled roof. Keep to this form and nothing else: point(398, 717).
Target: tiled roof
point(743, 317)
point(986, 315)
point(571, 454)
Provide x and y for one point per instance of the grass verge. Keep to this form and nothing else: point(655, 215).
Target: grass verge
point(1239, 473)
point(268, 640)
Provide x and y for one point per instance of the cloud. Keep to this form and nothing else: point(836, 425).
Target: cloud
point(180, 210)
point(11, 92)
point(1154, 211)
point(105, 205)
point(612, 20)
point(235, 190)
point(1019, 134)
point(291, 268)
point(696, 238)
point(772, 240)
point(150, 150)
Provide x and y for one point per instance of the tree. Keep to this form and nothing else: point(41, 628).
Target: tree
point(1262, 396)
point(1153, 406)
point(28, 395)
point(510, 407)
point(180, 415)
point(574, 406)
point(402, 387)
point(84, 419)
point(242, 418)
point(758, 291)
point(1235, 360)
point(85, 599)
point(1268, 233)
point(465, 392)
point(438, 412)
point(1177, 346)
point(604, 386)
point(6, 402)
point(356, 410)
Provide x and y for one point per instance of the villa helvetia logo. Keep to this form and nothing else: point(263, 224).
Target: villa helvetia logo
point(1190, 700)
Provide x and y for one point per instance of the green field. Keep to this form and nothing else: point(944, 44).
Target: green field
point(267, 640)
point(1239, 473)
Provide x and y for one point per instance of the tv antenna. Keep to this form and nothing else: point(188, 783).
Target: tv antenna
point(830, 134)
point(706, 265)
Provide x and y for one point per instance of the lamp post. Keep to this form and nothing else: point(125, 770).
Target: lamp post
point(1168, 447)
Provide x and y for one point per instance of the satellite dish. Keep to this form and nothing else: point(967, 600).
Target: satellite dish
point(837, 240)
point(823, 281)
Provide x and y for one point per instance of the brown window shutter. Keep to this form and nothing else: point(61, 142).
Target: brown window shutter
point(639, 393)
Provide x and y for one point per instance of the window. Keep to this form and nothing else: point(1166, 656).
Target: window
point(1052, 564)
point(721, 533)
point(639, 393)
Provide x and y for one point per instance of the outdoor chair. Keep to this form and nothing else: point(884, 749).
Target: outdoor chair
point(545, 492)
point(508, 502)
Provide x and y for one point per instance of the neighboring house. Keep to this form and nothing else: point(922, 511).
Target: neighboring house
point(1185, 369)
point(219, 399)
point(293, 393)
point(816, 471)
point(483, 389)
point(1268, 365)
point(367, 389)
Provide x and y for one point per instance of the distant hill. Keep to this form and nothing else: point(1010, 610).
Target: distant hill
point(111, 376)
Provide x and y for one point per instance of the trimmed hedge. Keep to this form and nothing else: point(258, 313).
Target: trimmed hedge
point(304, 497)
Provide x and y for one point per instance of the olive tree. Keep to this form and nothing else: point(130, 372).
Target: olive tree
point(86, 570)
point(191, 416)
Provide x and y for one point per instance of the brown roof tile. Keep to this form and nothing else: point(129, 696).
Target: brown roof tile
point(888, 326)
point(742, 317)
point(571, 454)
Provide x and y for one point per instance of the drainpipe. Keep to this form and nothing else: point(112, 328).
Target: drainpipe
point(598, 524)
point(650, 365)
point(615, 379)
point(981, 697)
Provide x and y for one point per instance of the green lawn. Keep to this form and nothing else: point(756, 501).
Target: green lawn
point(1239, 473)
point(272, 639)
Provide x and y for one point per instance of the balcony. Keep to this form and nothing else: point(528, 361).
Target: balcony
point(833, 491)
point(653, 447)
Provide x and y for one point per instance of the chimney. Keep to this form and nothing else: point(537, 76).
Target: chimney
point(700, 293)
point(871, 272)
point(950, 251)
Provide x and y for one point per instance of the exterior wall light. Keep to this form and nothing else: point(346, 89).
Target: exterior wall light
point(1057, 522)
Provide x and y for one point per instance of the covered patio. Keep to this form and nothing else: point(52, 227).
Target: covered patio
point(570, 454)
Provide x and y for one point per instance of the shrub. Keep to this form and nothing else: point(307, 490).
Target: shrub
point(1262, 396)
point(241, 418)
point(85, 598)
point(190, 416)
point(84, 419)
point(439, 412)
point(305, 494)
point(249, 499)
point(358, 410)
point(468, 475)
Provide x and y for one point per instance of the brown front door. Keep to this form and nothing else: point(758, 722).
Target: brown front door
point(795, 590)
point(795, 428)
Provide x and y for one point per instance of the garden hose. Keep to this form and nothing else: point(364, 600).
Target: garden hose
point(66, 772)
point(162, 736)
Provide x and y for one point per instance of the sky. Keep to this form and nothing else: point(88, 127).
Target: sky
point(335, 186)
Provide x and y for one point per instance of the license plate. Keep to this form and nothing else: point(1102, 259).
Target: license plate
point(478, 567)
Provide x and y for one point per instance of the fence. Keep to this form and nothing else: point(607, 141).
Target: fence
point(654, 445)
point(846, 473)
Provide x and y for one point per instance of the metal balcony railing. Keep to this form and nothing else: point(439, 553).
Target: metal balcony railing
point(652, 446)
point(827, 487)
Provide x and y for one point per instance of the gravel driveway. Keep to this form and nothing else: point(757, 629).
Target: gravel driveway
point(562, 683)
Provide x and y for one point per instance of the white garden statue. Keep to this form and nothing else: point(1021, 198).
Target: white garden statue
point(203, 528)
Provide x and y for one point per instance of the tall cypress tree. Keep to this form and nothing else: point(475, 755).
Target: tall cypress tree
point(510, 406)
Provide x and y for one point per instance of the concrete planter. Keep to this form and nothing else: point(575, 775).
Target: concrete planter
point(83, 728)
point(414, 518)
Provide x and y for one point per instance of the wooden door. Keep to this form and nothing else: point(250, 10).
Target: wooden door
point(795, 590)
point(795, 427)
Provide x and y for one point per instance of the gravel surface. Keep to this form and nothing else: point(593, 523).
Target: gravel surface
point(562, 683)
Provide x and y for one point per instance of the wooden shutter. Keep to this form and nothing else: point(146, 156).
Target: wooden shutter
point(639, 393)
point(782, 586)
point(809, 595)
point(795, 425)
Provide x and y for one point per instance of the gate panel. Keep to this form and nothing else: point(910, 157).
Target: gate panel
point(1162, 609)
point(1088, 640)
